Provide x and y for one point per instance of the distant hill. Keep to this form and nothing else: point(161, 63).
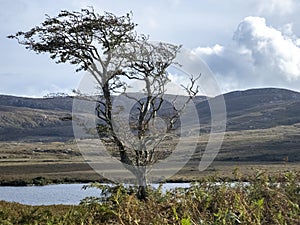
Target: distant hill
point(262, 108)
point(35, 119)
point(55, 103)
point(257, 109)
point(40, 119)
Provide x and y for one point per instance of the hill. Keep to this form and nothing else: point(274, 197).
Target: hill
point(262, 108)
point(41, 118)
point(256, 109)
point(262, 124)
point(31, 119)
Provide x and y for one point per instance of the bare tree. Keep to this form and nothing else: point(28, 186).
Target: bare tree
point(108, 47)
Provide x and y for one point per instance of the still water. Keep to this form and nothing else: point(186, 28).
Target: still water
point(68, 194)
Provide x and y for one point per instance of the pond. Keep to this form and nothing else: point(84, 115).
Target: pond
point(67, 194)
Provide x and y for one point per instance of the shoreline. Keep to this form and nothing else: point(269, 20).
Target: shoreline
point(71, 173)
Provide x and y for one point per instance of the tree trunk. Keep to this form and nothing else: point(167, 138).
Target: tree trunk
point(142, 182)
point(142, 193)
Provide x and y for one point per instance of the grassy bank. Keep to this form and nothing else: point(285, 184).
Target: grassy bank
point(41, 181)
point(265, 200)
point(39, 163)
point(57, 173)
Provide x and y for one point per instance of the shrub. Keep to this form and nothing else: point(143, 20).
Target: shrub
point(262, 200)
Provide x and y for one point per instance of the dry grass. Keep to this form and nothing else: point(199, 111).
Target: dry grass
point(272, 150)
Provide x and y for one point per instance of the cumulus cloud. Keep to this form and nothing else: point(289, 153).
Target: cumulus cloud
point(259, 55)
point(269, 47)
point(217, 49)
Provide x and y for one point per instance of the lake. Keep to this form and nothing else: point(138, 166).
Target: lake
point(67, 194)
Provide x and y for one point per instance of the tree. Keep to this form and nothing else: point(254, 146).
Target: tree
point(110, 50)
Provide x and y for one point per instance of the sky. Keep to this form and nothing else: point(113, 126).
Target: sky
point(246, 44)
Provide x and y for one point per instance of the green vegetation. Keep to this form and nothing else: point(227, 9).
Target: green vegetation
point(264, 200)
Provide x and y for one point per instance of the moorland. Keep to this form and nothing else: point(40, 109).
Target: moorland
point(37, 142)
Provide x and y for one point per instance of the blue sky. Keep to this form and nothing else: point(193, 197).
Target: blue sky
point(246, 44)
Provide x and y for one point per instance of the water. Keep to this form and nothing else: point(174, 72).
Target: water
point(67, 194)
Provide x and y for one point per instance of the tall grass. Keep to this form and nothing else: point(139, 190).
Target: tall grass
point(263, 200)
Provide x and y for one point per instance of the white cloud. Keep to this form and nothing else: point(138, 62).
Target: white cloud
point(176, 80)
point(287, 29)
point(217, 49)
point(269, 46)
point(260, 55)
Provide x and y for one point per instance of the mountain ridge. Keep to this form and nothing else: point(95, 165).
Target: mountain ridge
point(41, 118)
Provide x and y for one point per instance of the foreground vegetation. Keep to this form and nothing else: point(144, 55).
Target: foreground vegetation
point(264, 200)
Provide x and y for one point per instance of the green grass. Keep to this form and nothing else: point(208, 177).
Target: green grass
point(264, 200)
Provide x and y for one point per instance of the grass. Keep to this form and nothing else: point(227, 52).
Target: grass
point(264, 200)
point(273, 149)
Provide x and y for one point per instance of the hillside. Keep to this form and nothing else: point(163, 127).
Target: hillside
point(256, 109)
point(262, 124)
point(262, 108)
point(40, 118)
point(30, 119)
